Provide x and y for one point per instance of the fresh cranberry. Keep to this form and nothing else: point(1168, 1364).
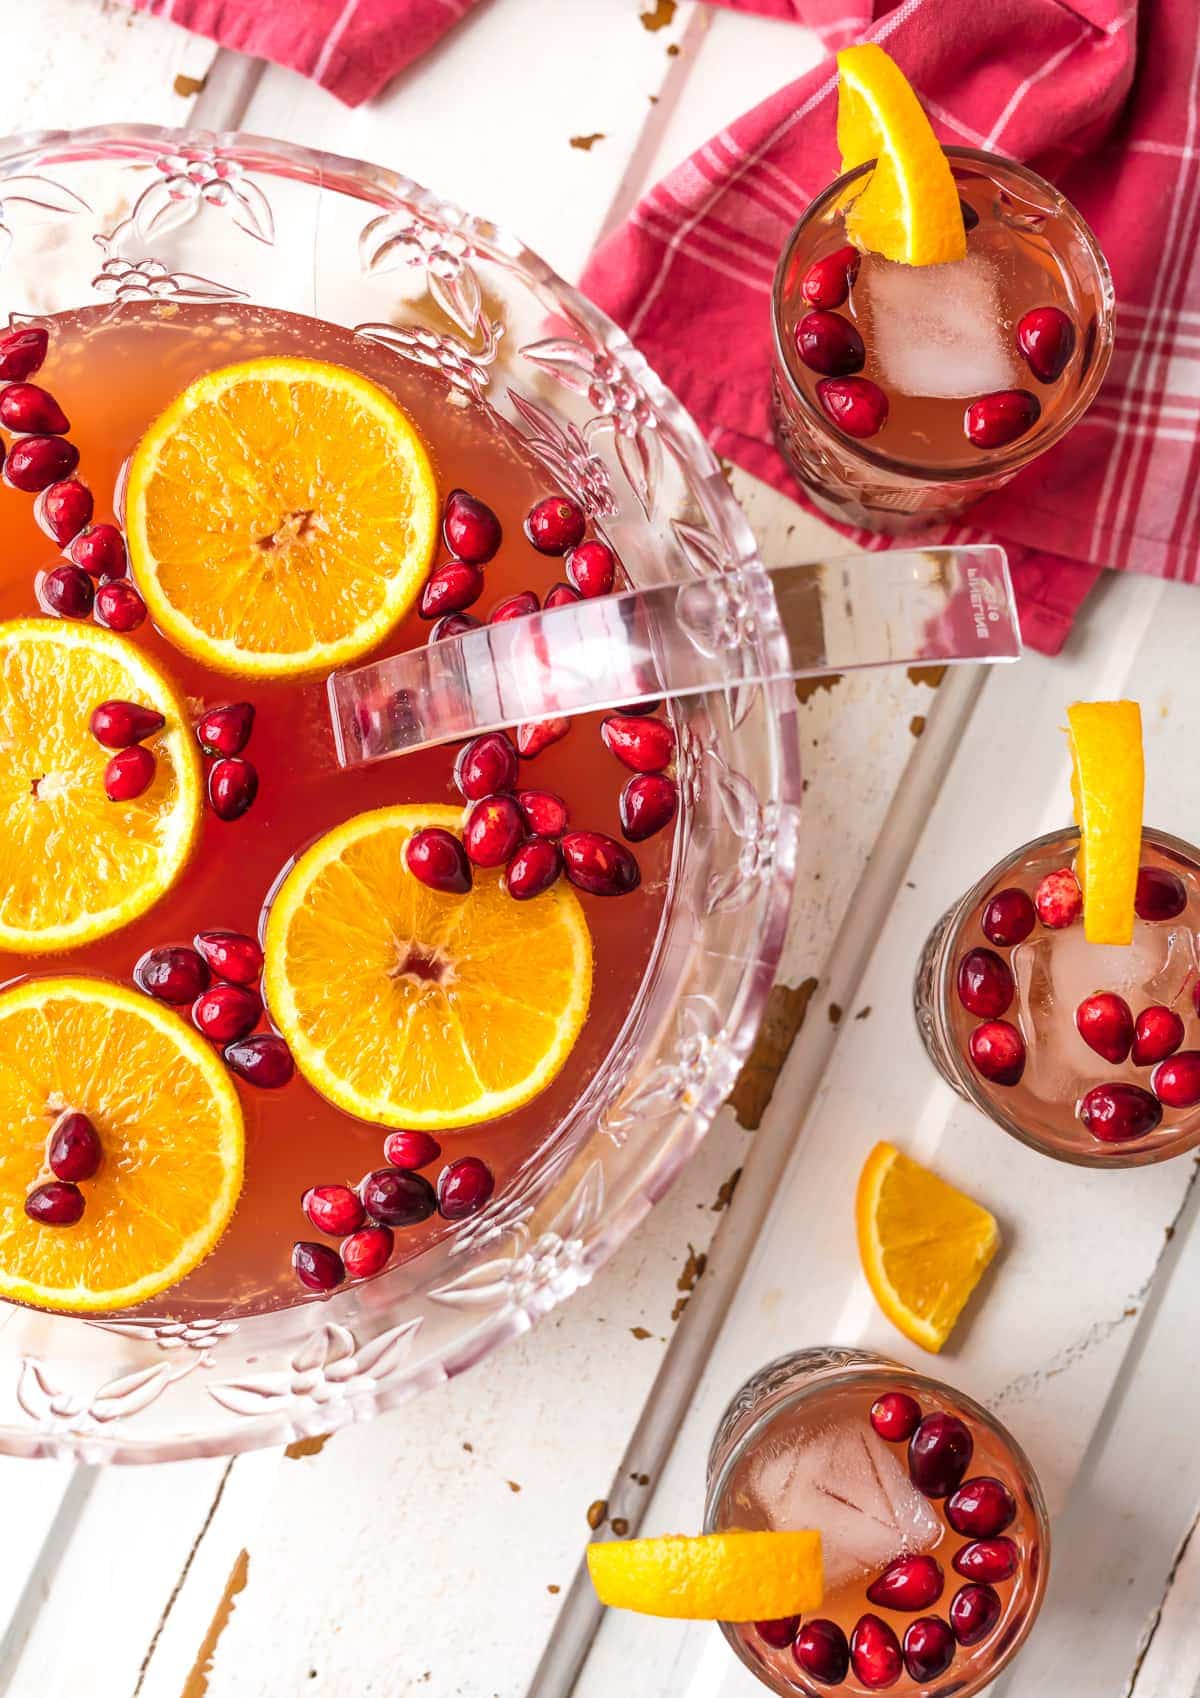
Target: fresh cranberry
point(555, 524)
point(518, 606)
point(1160, 894)
point(599, 864)
point(438, 859)
point(396, 1198)
point(119, 606)
point(35, 462)
point(1105, 1023)
point(64, 509)
point(996, 420)
point(981, 1507)
point(56, 1202)
point(1157, 1033)
point(172, 973)
point(226, 1013)
point(118, 725)
point(1118, 1113)
point(22, 352)
point(822, 1651)
point(545, 812)
point(997, 1051)
point(66, 591)
point(232, 787)
point(316, 1266)
point(1009, 917)
point(907, 1583)
point(463, 1187)
point(453, 625)
point(830, 344)
point(928, 1649)
point(231, 955)
point(987, 1559)
point(985, 984)
point(226, 730)
point(1046, 337)
point(648, 803)
point(486, 766)
point(974, 1611)
point(129, 774)
point(778, 1634)
point(100, 550)
point(263, 1060)
point(538, 734)
point(895, 1415)
point(74, 1148)
point(561, 595)
point(1176, 1082)
point(334, 1209)
point(939, 1453)
point(533, 869)
point(827, 281)
point(855, 405)
point(410, 1150)
point(875, 1653)
point(494, 828)
point(367, 1251)
point(450, 589)
point(470, 528)
point(29, 409)
point(592, 568)
point(644, 745)
point(1058, 899)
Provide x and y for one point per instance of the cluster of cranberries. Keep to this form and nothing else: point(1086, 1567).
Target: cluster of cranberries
point(830, 344)
point(1117, 1111)
point(41, 461)
point(979, 1509)
point(218, 976)
point(73, 1153)
point(365, 1216)
point(222, 733)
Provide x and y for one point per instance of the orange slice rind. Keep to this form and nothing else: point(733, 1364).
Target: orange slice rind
point(1107, 785)
point(923, 1245)
point(734, 1576)
point(909, 209)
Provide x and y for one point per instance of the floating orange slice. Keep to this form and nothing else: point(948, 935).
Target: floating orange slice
point(909, 210)
point(733, 1576)
point(923, 1245)
point(170, 1128)
point(1107, 784)
point(281, 516)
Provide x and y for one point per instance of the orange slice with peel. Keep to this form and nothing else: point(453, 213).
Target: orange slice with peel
point(734, 1576)
point(923, 1245)
point(75, 865)
point(409, 1007)
point(281, 516)
point(170, 1127)
point(1107, 784)
point(909, 209)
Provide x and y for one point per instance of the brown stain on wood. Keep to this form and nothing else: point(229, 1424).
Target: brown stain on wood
point(864, 1012)
point(596, 1513)
point(835, 1013)
point(640, 1332)
point(806, 688)
point(188, 87)
point(196, 1684)
point(513, 1486)
point(917, 724)
point(585, 144)
point(620, 1526)
point(552, 1589)
point(725, 1193)
point(690, 1275)
point(308, 1447)
point(931, 675)
point(786, 1007)
point(660, 15)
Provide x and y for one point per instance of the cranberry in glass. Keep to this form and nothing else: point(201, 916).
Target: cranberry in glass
point(74, 1149)
point(35, 462)
point(396, 1198)
point(22, 352)
point(410, 1150)
point(463, 1187)
point(1157, 1033)
point(987, 1559)
point(1105, 1023)
point(450, 589)
point(1058, 899)
point(533, 869)
point(822, 1651)
point(225, 730)
point(64, 509)
point(494, 828)
point(100, 550)
point(486, 766)
point(778, 1634)
point(263, 1060)
point(997, 1051)
point(830, 344)
point(928, 1648)
point(939, 1454)
point(366, 1251)
point(1176, 1081)
point(599, 864)
point(1118, 1113)
point(518, 606)
point(232, 955)
point(643, 745)
point(827, 281)
point(648, 803)
point(1160, 894)
point(996, 420)
point(334, 1209)
point(119, 725)
point(226, 1013)
point(894, 1416)
point(119, 606)
point(592, 568)
point(985, 984)
point(129, 774)
point(66, 591)
point(555, 524)
point(875, 1653)
point(317, 1267)
point(1009, 917)
point(560, 595)
point(855, 405)
point(1046, 337)
point(438, 859)
point(232, 787)
point(909, 1583)
point(55, 1203)
point(981, 1507)
point(545, 812)
point(537, 734)
point(974, 1611)
point(453, 625)
point(470, 529)
point(28, 408)
point(172, 973)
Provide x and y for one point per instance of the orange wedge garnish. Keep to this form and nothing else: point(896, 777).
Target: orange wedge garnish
point(1107, 782)
point(731, 1576)
point(909, 210)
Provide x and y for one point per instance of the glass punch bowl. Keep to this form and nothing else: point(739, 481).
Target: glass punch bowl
point(130, 214)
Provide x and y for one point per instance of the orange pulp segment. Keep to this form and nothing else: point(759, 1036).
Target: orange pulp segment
point(1107, 785)
point(734, 1576)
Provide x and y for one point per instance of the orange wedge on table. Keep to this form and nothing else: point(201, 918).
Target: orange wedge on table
point(282, 515)
point(734, 1576)
point(1107, 784)
point(923, 1245)
point(409, 1007)
point(170, 1128)
point(909, 209)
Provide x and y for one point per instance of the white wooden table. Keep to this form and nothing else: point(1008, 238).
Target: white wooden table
point(436, 1550)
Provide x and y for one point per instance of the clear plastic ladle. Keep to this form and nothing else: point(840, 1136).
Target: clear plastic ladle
point(900, 607)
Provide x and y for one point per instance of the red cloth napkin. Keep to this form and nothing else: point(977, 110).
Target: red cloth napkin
point(1065, 85)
